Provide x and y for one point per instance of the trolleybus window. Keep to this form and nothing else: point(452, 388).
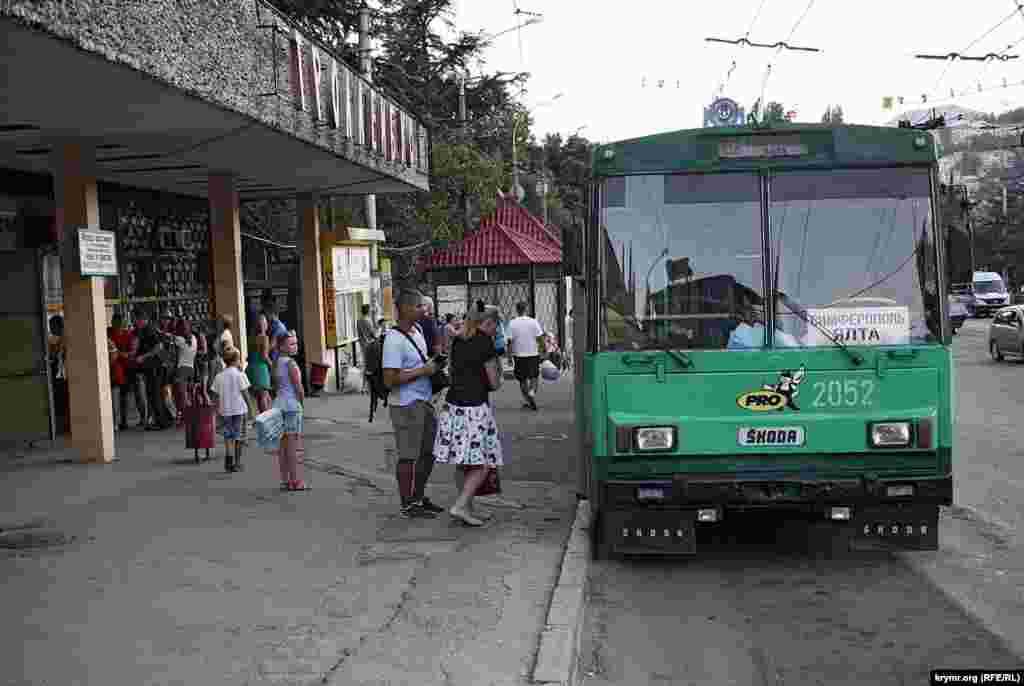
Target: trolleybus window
point(853, 251)
point(683, 261)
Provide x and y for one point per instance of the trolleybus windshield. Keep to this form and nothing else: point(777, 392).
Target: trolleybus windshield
point(849, 256)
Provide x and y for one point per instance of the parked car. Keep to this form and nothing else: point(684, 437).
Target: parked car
point(958, 312)
point(1006, 333)
point(990, 293)
point(965, 294)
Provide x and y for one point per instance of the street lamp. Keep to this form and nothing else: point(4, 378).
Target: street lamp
point(516, 188)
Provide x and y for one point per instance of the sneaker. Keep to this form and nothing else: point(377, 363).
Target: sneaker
point(431, 507)
point(416, 511)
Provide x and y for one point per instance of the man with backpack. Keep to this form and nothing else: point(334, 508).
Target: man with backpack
point(373, 372)
point(407, 366)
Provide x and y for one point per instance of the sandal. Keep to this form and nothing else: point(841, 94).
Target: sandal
point(465, 517)
point(482, 516)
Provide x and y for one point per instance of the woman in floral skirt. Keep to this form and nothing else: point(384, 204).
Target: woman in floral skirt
point(467, 435)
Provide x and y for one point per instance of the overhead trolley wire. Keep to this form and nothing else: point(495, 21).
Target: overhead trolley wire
point(744, 41)
point(785, 45)
point(953, 56)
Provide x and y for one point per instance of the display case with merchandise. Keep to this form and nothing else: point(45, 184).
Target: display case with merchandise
point(164, 257)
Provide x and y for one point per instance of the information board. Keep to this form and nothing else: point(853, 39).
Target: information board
point(860, 325)
point(97, 253)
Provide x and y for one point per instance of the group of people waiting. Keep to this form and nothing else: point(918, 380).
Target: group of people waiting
point(168, 365)
point(463, 431)
point(154, 362)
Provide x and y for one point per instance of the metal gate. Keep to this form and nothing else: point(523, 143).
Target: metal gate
point(451, 300)
point(503, 295)
point(25, 400)
point(546, 293)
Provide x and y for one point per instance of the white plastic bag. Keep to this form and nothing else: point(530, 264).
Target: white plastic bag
point(269, 428)
point(548, 371)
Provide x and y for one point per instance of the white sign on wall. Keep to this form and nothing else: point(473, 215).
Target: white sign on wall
point(352, 285)
point(340, 262)
point(860, 325)
point(97, 253)
point(359, 268)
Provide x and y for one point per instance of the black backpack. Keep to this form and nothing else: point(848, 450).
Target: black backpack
point(374, 371)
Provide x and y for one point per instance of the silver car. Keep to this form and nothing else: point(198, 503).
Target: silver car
point(1006, 333)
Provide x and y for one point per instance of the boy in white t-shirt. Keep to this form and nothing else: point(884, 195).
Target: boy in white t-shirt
point(230, 386)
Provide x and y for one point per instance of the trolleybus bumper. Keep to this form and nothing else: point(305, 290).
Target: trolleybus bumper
point(878, 521)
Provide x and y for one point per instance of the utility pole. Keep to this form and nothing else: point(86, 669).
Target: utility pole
point(464, 126)
point(366, 67)
point(544, 195)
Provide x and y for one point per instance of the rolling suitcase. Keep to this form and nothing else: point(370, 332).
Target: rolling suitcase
point(199, 423)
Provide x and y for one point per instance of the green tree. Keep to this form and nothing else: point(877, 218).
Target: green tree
point(418, 63)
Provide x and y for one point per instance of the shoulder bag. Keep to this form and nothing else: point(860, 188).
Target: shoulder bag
point(439, 381)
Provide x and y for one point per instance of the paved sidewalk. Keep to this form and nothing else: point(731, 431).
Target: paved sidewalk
point(154, 570)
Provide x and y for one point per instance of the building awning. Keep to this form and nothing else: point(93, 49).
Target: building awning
point(172, 92)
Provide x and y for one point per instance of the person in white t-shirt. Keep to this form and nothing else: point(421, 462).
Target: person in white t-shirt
point(525, 340)
point(230, 386)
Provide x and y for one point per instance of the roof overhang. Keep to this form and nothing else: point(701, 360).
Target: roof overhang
point(85, 81)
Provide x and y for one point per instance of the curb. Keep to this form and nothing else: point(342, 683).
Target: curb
point(560, 640)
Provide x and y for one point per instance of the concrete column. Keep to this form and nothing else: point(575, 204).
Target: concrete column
point(226, 254)
point(85, 319)
point(313, 337)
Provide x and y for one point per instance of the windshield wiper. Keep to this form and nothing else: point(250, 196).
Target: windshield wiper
point(682, 358)
point(807, 319)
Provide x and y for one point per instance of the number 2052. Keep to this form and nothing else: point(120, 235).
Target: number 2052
point(846, 393)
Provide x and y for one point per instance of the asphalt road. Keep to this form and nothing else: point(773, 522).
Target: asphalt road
point(755, 608)
point(990, 473)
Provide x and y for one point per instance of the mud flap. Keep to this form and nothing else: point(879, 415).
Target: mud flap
point(649, 532)
point(895, 527)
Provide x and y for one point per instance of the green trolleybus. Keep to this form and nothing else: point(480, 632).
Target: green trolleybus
point(765, 328)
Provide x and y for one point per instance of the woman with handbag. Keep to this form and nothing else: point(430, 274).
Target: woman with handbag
point(467, 434)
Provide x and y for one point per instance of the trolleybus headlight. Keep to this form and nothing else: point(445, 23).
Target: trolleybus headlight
point(890, 434)
point(708, 515)
point(655, 438)
point(840, 514)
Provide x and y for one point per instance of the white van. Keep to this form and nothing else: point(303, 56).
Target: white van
point(990, 293)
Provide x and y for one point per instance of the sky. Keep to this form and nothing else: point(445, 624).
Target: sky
point(598, 54)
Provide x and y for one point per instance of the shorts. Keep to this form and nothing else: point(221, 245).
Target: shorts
point(527, 367)
point(233, 426)
point(415, 427)
point(292, 422)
